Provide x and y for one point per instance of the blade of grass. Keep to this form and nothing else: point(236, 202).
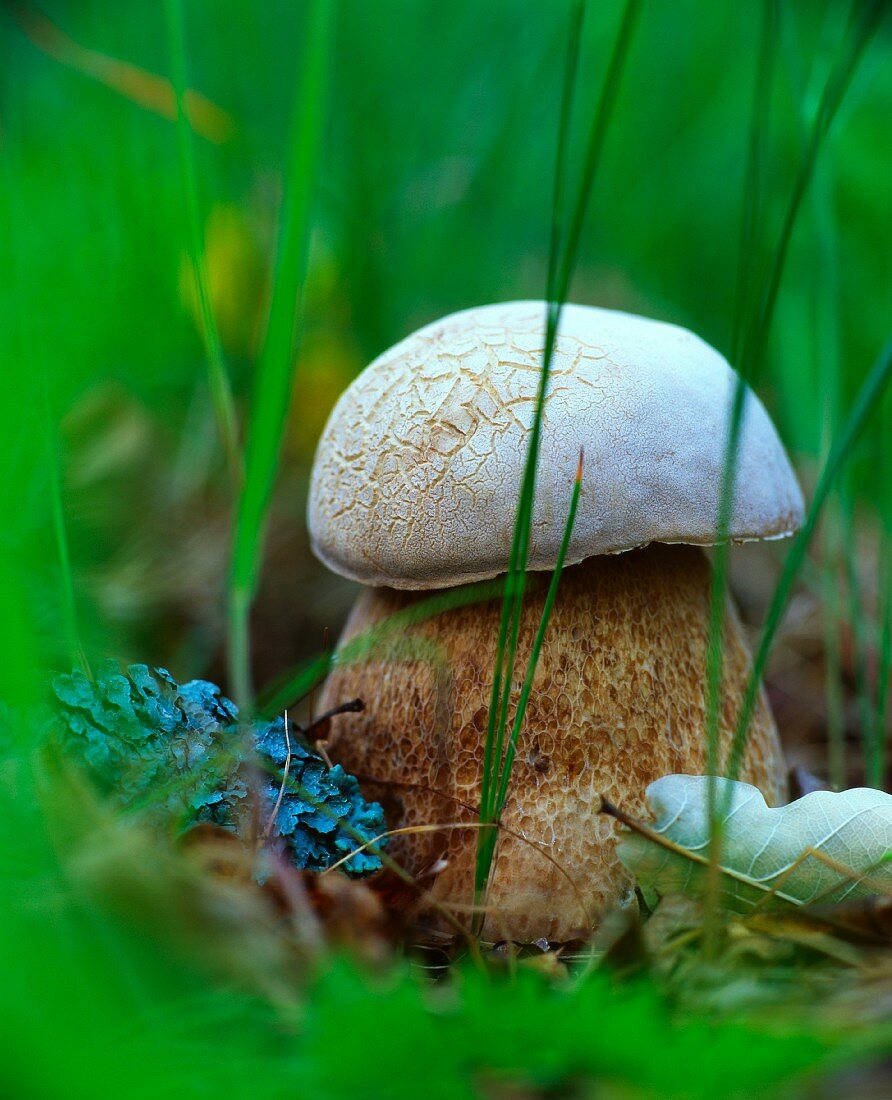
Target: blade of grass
point(502, 763)
point(858, 627)
point(827, 355)
point(515, 582)
point(745, 300)
point(825, 352)
point(218, 380)
point(753, 343)
point(600, 124)
point(532, 663)
point(297, 683)
point(509, 625)
point(146, 89)
point(571, 68)
point(60, 535)
point(865, 403)
point(571, 72)
point(745, 292)
point(517, 570)
point(751, 207)
point(877, 773)
point(274, 374)
point(865, 21)
point(836, 754)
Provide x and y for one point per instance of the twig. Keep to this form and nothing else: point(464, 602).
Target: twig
point(277, 807)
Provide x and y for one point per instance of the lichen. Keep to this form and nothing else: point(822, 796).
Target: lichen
point(178, 752)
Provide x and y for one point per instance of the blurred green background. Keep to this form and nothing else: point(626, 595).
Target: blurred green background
point(434, 194)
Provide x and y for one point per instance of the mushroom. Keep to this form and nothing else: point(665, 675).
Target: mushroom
point(415, 487)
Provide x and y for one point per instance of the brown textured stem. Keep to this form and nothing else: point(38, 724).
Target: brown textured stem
point(617, 701)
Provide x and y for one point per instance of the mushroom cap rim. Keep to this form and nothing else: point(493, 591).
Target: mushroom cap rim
point(434, 584)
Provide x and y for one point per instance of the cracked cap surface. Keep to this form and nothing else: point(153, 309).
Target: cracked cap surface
point(418, 471)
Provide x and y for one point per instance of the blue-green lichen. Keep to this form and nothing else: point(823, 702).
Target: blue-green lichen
point(178, 751)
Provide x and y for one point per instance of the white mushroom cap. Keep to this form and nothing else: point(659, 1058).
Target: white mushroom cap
point(417, 474)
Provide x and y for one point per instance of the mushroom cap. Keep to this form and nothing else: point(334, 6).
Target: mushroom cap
point(418, 471)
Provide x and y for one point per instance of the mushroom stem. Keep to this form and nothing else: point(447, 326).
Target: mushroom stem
point(617, 700)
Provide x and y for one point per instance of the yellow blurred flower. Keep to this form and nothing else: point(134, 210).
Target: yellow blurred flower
point(236, 278)
point(328, 362)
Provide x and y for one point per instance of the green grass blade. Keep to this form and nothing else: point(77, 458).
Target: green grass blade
point(863, 29)
point(516, 574)
point(60, 535)
point(274, 375)
point(571, 72)
point(744, 301)
point(298, 682)
point(859, 628)
point(877, 771)
point(751, 209)
point(515, 583)
point(868, 398)
point(218, 380)
point(496, 705)
point(753, 343)
point(752, 348)
point(834, 691)
point(595, 146)
point(550, 597)
point(826, 352)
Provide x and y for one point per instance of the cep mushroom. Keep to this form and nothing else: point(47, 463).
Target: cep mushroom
point(415, 487)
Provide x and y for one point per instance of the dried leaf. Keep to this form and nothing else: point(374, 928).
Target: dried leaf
point(866, 922)
point(823, 848)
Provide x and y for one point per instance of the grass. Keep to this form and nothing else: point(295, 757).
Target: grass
point(878, 765)
point(850, 433)
point(496, 769)
point(835, 692)
point(826, 352)
point(753, 318)
point(218, 380)
point(407, 227)
point(859, 620)
point(754, 323)
point(745, 307)
point(276, 367)
point(507, 761)
point(67, 597)
point(297, 684)
point(876, 772)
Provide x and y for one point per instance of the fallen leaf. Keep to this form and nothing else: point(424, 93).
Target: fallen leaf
point(824, 848)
